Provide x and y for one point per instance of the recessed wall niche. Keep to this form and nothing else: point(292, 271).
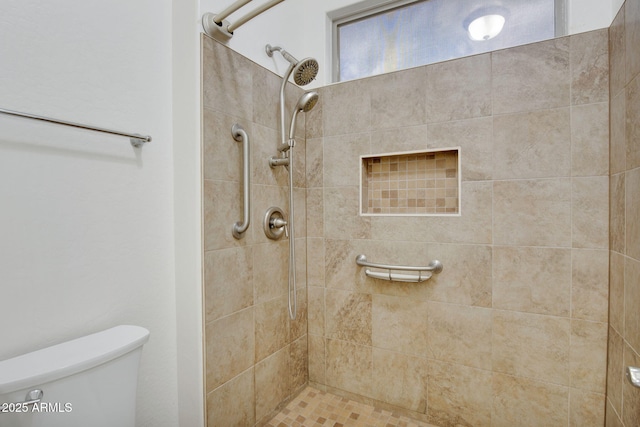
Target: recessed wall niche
point(416, 183)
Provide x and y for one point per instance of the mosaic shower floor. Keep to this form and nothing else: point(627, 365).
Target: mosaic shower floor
point(315, 408)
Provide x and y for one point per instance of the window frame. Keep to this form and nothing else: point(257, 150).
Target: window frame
point(353, 13)
point(366, 8)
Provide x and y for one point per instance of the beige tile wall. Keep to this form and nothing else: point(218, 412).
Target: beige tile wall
point(256, 358)
point(623, 401)
point(514, 330)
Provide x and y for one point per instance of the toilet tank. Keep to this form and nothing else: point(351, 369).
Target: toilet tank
point(87, 382)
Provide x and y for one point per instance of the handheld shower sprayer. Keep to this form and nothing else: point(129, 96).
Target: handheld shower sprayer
point(305, 104)
point(307, 101)
point(303, 73)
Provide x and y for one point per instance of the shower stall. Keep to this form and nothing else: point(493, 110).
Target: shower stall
point(515, 329)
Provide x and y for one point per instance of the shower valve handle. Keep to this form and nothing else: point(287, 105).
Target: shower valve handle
point(279, 223)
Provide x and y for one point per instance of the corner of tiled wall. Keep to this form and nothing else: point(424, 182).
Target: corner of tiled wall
point(256, 357)
point(514, 330)
point(623, 400)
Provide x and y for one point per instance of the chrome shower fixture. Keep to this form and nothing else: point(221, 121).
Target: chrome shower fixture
point(303, 71)
point(307, 101)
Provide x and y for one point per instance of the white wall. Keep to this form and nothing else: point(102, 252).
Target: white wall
point(86, 221)
point(302, 27)
point(616, 5)
point(587, 15)
point(187, 211)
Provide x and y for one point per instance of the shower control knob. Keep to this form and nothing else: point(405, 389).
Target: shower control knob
point(274, 223)
point(279, 223)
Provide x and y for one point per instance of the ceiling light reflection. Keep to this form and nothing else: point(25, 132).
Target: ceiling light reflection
point(486, 27)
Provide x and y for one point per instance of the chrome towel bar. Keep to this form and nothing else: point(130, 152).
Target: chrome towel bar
point(424, 273)
point(240, 135)
point(137, 140)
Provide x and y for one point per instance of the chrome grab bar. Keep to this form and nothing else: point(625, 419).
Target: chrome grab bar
point(434, 267)
point(240, 135)
point(136, 140)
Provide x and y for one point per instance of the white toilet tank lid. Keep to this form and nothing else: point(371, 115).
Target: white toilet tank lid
point(68, 358)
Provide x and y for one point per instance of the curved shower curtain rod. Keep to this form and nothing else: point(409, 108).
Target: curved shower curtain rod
point(216, 26)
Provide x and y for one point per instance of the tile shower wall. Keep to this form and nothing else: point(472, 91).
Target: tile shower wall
point(514, 330)
point(623, 401)
point(256, 358)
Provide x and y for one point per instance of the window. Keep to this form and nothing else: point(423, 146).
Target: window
point(407, 34)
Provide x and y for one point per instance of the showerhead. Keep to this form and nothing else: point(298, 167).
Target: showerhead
point(307, 101)
point(303, 71)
